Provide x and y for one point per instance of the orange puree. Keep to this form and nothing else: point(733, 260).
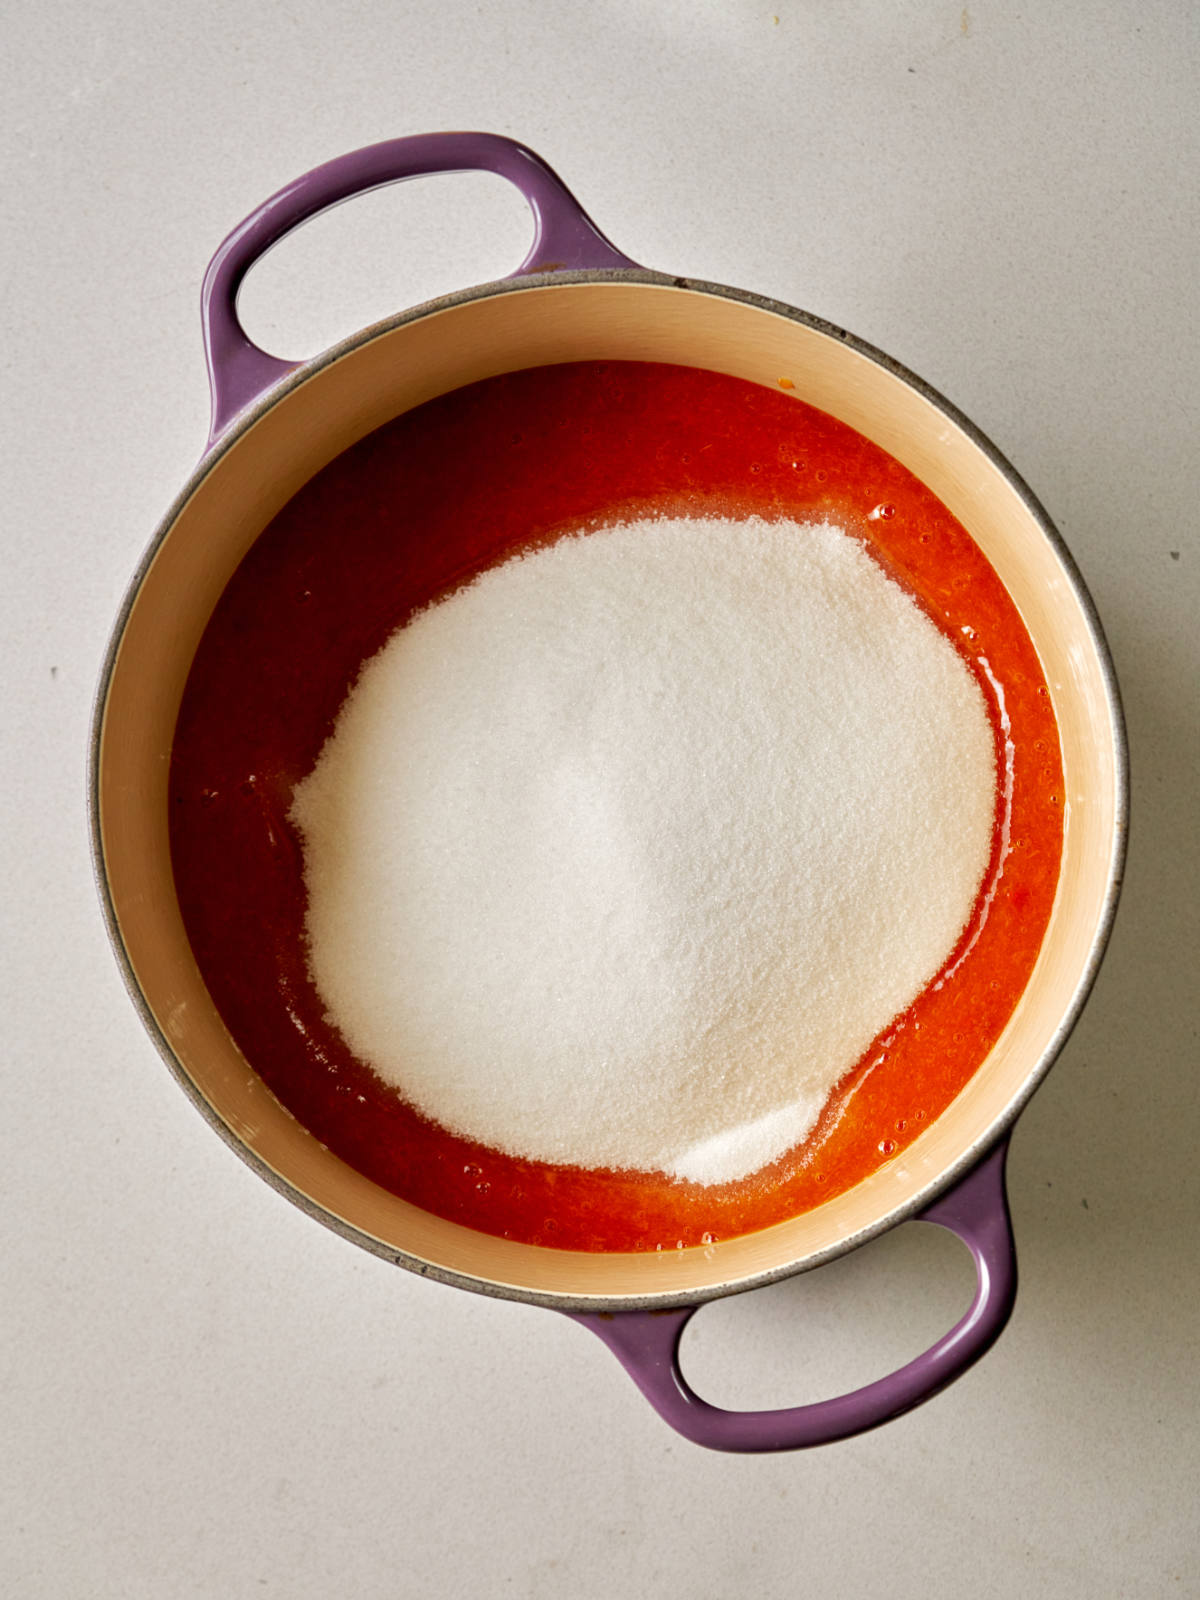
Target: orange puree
point(424, 504)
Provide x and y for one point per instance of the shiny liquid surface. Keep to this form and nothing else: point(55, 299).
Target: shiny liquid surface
point(424, 504)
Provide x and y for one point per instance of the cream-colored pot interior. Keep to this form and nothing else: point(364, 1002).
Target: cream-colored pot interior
point(386, 372)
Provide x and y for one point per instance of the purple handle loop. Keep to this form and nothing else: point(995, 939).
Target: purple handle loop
point(647, 1342)
point(564, 237)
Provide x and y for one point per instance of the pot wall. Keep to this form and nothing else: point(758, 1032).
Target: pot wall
point(330, 404)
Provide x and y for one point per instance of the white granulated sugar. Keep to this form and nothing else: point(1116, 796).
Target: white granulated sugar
point(622, 856)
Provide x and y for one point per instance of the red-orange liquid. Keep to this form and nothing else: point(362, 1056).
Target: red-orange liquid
point(424, 504)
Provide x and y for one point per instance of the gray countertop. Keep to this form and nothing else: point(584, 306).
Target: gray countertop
point(205, 1393)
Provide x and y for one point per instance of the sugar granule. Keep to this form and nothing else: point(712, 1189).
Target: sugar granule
point(622, 855)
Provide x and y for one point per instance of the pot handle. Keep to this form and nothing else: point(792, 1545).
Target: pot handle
point(647, 1342)
point(564, 237)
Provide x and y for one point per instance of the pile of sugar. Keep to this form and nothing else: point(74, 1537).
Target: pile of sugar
point(622, 855)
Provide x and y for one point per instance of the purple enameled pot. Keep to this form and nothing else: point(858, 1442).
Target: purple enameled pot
point(274, 425)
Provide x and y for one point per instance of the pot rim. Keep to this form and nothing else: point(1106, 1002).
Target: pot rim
point(915, 1203)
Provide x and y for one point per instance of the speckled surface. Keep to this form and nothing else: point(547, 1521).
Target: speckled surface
point(205, 1393)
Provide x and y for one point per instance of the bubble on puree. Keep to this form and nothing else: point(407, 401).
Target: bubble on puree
point(622, 855)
